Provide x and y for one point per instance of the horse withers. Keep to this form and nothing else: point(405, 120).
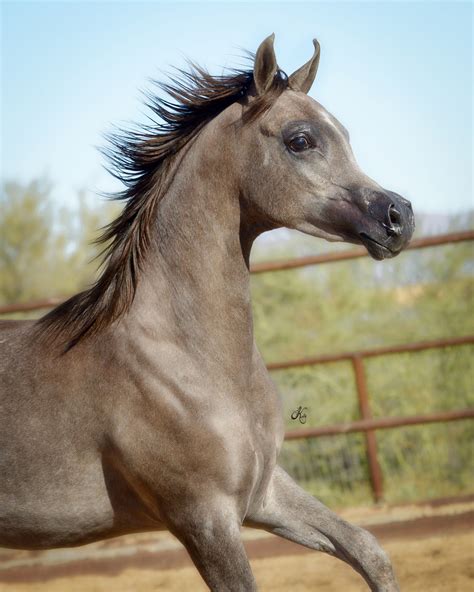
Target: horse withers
point(143, 403)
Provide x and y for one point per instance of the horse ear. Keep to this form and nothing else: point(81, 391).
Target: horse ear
point(302, 79)
point(265, 65)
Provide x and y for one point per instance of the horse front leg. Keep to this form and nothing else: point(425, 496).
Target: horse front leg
point(211, 534)
point(288, 511)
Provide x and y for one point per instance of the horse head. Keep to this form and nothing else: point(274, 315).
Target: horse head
point(299, 170)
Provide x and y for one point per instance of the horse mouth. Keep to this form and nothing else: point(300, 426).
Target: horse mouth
point(376, 250)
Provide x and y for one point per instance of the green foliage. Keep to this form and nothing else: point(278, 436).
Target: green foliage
point(45, 251)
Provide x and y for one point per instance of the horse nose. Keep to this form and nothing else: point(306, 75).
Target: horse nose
point(394, 218)
point(405, 202)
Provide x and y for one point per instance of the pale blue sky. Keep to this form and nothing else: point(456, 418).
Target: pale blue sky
point(397, 74)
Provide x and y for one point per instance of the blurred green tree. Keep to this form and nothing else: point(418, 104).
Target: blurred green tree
point(46, 249)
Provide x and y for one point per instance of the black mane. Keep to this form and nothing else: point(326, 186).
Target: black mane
point(138, 158)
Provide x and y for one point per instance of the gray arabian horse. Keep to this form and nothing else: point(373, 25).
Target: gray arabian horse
point(143, 402)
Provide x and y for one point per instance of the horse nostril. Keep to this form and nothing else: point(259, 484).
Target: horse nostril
point(394, 216)
point(393, 227)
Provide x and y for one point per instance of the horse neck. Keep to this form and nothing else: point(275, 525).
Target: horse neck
point(195, 285)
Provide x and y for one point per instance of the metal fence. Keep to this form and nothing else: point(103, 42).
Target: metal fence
point(367, 424)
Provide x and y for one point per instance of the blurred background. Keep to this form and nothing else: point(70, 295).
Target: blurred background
point(398, 75)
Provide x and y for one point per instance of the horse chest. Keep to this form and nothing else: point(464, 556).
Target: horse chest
point(187, 440)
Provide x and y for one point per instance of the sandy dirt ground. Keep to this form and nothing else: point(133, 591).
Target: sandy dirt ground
point(431, 546)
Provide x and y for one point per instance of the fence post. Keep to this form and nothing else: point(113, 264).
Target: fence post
point(376, 478)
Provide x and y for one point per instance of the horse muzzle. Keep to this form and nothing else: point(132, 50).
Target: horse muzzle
point(388, 226)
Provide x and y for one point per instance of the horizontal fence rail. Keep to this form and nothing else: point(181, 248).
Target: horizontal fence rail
point(372, 353)
point(419, 243)
point(356, 253)
point(384, 423)
point(367, 424)
point(32, 305)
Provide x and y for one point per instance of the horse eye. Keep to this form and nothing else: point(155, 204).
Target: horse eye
point(299, 144)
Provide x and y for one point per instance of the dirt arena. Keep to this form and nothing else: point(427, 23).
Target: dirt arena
point(431, 545)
